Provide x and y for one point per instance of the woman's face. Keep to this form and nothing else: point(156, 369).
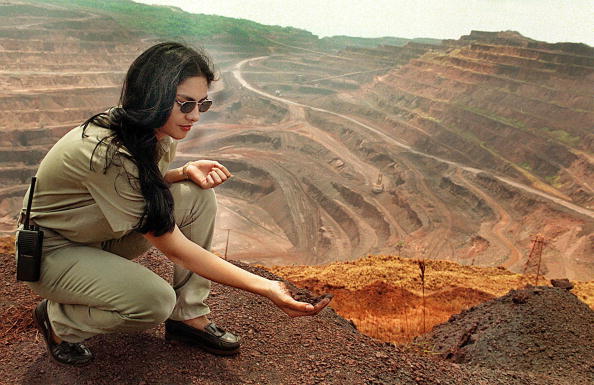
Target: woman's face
point(179, 124)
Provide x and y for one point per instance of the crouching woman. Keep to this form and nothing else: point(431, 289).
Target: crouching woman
point(105, 194)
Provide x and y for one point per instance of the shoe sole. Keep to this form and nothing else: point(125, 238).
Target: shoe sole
point(38, 321)
point(193, 343)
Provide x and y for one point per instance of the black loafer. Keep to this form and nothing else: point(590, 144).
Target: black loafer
point(66, 353)
point(212, 339)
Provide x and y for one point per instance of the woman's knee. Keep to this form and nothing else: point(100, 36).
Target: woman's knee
point(206, 201)
point(193, 202)
point(152, 304)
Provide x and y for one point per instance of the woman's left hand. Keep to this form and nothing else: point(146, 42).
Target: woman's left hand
point(207, 173)
point(280, 295)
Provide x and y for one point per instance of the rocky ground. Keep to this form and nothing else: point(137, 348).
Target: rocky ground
point(539, 329)
point(325, 349)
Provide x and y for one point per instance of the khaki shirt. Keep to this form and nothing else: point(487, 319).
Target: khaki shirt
point(84, 205)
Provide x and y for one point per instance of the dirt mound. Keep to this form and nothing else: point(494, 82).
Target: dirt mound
point(539, 329)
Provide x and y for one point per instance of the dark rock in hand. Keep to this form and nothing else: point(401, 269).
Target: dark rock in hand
point(304, 295)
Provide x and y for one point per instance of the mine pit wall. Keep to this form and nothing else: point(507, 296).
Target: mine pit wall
point(482, 123)
point(407, 217)
point(502, 86)
point(302, 234)
point(570, 236)
point(249, 183)
point(338, 129)
point(441, 209)
point(244, 189)
point(229, 88)
point(57, 80)
point(242, 107)
point(469, 200)
point(499, 135)
point(466, 150)
point(245, 139)
point(30, 156)
point(289, 143)
point(337, 213)
point(15, 176)
point(366, 211)
point(42, 137)
point(259, 187)
point(374, 152)
point(519, 201)
point(535, 54)
point(481, 157)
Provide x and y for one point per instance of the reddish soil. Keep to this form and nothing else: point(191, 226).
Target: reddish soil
point(545, 330)
point(276, 350)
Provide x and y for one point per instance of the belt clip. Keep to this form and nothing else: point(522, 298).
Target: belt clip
point(20, 219)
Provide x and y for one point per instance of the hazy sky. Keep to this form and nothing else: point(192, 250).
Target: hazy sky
point(547, 20)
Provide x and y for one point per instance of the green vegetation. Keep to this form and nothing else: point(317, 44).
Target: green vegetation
point(465, 134)
point(525, 166)
point(553, 180)
point(491, 115)
point(562, 136)
point(341, 42)
point(315, 90)
point(31, 10)
point(429, 117)
point(172, 22)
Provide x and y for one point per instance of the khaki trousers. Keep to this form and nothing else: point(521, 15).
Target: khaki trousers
point(97, 288)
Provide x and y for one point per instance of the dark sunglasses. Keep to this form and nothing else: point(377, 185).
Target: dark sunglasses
point(187, 107)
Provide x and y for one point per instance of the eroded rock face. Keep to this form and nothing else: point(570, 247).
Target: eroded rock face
point(449, 137)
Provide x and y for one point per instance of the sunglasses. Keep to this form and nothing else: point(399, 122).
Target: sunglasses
point(187, 107)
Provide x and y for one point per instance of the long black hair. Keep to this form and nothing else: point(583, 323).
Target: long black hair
point(146, 101)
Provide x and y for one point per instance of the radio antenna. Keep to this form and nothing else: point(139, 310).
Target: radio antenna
point(28, 212)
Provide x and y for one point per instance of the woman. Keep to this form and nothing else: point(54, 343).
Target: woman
point(104, 195)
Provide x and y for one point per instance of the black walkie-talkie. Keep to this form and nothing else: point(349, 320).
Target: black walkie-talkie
point(29, 245)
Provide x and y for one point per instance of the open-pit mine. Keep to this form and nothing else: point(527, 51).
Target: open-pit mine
point(463, 150)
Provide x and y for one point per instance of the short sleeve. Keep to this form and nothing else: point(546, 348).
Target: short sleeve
point(167, 153)
point(116, 191)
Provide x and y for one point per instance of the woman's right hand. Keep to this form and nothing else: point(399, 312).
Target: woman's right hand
point(207, 173)
point(280, 295)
